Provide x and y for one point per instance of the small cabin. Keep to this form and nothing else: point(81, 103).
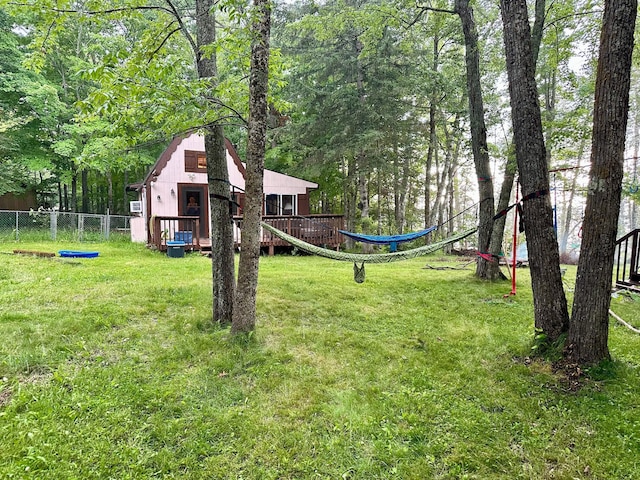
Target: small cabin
point(173, 202)
point(19, 201)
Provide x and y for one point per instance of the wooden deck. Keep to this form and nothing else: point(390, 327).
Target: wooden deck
point(320, 230)
point(172, 229)
point(627, 257)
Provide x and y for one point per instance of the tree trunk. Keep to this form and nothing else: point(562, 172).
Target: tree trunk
point(109, 178)
point(244, 311)
point(484, 269)
point(538, 29)
point(222, 256)
point(350, 198)
point(452, 154)
point(564, 238)
point(433, 139)
point(550, 305)
point(363, 202)
point(497, 234)
point(511, 167)
point(589, 331)
point(85, 191)
point(74, 192)
point(400, 187)
point(125, 182)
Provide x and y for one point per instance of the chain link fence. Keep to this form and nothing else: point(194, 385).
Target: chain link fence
point(40, 225)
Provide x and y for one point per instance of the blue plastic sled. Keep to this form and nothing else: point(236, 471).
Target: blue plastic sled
point(77, 254)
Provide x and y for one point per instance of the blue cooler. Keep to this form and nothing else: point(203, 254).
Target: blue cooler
point(186, 237)
point(175, 249)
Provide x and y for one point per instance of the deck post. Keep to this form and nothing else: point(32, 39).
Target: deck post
point(634, 254)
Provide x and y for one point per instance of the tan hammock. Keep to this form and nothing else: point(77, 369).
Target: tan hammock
point(364, 257)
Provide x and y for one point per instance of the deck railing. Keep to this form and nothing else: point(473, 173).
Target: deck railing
point(321, 230)
point(180, 229)
point(627, 260)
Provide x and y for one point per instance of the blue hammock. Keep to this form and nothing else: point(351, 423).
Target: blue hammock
point(391, 240)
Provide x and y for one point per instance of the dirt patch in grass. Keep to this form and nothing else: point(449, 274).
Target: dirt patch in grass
point(35, 377)
point(5, 397)
point(571, 376)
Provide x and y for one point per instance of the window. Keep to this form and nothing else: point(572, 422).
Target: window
point(272, 206)
point(280, 204)
point(195, 162)
point(288, 204)
point(235, 204)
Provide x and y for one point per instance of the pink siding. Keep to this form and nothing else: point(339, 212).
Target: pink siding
point(173, 173)
point(160, 194)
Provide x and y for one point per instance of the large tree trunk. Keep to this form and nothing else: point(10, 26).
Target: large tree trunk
point(222, 256)
point(244, 312)
point(550, 304)
point(485, 269)
point(589, 331)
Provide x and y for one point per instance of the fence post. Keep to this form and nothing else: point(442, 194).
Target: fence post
point(107, 225)
point(80, 226)
point(17, 226)
point(53, 221)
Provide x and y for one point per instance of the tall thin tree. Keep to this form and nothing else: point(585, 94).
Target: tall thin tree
point(485, 269)
point(550, 305)
point(244, 312)
point(222, 257)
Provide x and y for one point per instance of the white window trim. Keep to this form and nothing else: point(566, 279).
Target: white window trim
point(280, 201)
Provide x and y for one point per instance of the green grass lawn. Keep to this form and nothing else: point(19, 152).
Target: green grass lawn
point(111, 368)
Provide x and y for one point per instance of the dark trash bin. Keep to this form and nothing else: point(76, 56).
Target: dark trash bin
point(175, 249)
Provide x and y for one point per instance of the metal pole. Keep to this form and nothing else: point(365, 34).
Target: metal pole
point(107, 225)
point(53, 222)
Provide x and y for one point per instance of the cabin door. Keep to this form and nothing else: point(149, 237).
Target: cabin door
point(193, 202)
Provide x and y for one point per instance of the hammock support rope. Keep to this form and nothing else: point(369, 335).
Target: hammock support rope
point(363, 257)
